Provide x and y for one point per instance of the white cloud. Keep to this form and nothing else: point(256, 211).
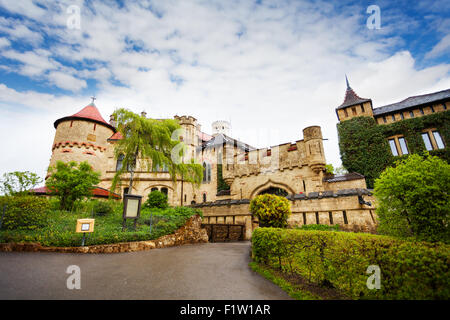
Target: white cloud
point(441, 48)
point(66, 81)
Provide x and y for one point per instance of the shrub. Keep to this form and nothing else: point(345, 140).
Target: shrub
point(413, 199)
point(271, 210)
point(24, 212)
point(102, 208)
point(156, 199)
point(409, 270)
point(323, 227)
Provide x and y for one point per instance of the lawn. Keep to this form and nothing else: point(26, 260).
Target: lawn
point(59, 227)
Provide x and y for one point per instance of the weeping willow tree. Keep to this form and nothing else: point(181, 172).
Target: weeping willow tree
point(152, 144)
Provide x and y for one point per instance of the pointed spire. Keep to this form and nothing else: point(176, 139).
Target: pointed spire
point(346, 80)
point(351, 98)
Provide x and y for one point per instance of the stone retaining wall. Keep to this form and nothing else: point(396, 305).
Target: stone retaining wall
point(191, 232)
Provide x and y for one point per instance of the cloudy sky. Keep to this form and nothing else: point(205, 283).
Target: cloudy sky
point(272, 68)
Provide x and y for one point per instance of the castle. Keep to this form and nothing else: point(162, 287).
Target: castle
point(235, 172)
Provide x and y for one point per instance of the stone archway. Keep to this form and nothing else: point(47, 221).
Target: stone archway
point(271, 186)
point(276, 191)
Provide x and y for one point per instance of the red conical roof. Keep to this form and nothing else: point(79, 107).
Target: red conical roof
point(91, 113)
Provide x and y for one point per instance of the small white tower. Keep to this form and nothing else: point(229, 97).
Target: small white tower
point(221, 127)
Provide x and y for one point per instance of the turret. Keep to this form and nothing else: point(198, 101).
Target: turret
point(312, 136)
point(221, 127)
point(82, 137)
point(353, 105)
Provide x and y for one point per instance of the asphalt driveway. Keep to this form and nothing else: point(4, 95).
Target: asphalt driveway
point(202, 271)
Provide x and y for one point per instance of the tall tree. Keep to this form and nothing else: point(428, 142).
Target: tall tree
point(149, 144)
point(71, 182)
point(19, 182)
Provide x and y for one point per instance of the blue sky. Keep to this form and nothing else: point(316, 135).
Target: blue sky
point(270, 67)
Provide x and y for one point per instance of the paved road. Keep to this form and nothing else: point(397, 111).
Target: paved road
point(202, 271)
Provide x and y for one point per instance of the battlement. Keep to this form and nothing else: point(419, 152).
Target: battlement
point(306, 152)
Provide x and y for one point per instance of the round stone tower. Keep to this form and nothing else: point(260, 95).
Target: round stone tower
point(221, 127)
point(314, 148)
point(82, 137)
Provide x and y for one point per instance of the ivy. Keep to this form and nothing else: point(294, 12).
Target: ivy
point(364, 147)
point(221, 184)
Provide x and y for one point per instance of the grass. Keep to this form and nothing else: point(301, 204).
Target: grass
point(294, 291)
point(59, 229)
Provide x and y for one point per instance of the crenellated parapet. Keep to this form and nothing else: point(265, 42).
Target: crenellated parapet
point(307, 152)
point(71, 144)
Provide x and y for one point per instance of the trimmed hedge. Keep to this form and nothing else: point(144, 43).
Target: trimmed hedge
point(409, 270)
point(26, 212)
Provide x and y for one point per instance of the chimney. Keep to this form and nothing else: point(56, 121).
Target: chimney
point(112, 120)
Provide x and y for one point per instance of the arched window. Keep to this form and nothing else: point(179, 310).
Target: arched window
point(208, 169)
point(204, 172)
point(119, 162)
point(165, 190)
point(204, 197)
point(154, 189)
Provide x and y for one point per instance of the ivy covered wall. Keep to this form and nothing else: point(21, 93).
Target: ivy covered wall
point(364, 146)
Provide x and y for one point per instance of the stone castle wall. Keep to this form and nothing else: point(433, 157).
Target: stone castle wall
point(330, 208)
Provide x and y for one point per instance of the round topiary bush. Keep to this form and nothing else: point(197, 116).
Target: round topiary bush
point(271, 210)
point(24, 212)
point(156, 199)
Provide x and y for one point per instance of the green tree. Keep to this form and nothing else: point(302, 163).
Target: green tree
point(19, 182)
point(149, 144)
point(271, 210)
point(156, 199)
point(329, 169)
point(71, 182)
point(414, 200)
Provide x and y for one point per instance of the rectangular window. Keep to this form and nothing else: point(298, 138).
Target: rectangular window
point(411, 114)
point(384, 119)
point(403, 146)
point(393, 118)
point(393, 147)
point(354, 111)
point(345, 217)
point(362, 108)
point(445, 106)
point(427, 141)
point(421, 111)
point(331, 217)
point(345, 113)
point(432, 109)
point(438, 139)
point(304, 217)
point(317, 218)
point(402, 116)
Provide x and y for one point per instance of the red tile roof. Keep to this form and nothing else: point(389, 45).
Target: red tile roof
point(90, 112)
point(116, 136)
point(97, 192)
point(351, 98)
